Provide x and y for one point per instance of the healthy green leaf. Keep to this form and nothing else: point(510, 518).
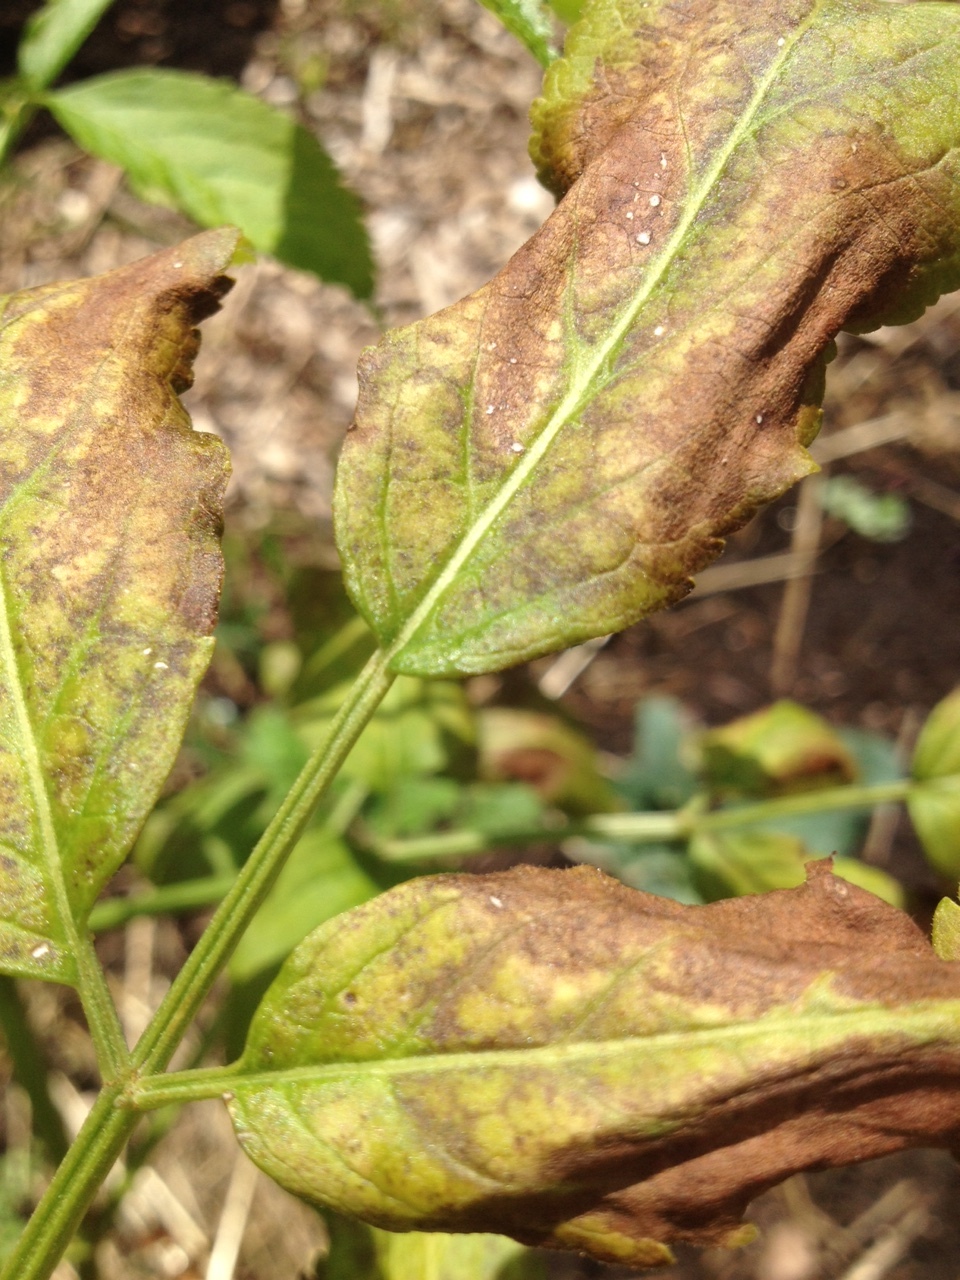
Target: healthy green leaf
point(220, 155)
point(110, 575)
point(934, 802)
point(321, 879)
point(359, 1252)
point(53, 35)
point(530, 21)
point(553, 1056)
point(552, 457)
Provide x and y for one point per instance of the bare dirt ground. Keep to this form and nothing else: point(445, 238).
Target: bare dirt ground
point(424, 109)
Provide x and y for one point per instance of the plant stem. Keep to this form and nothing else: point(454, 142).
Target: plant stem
point(109, 1125)
point(93, 1154)
point(203, 892)
point(648, 828)
point(830, 799)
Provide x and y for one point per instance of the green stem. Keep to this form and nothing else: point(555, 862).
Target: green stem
point(832, 799)
point(109, 1125)
point(30, 1070)
point(193, 982)
point(203, 892)
point(648, 828)
point(55, 1220)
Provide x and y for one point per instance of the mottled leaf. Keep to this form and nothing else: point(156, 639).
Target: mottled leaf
point(110, 570)
point(221, 155)
point(556, 1057)
point(934, 802)
point(53, 35)
point(552, 457)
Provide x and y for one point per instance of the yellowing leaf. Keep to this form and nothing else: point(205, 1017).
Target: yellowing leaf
point(109, 578)
point(554, 456)
point(556, 1057)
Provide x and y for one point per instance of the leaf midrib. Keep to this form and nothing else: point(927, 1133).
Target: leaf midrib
point(49, 844)
point(892, 1024)
point(585, 374)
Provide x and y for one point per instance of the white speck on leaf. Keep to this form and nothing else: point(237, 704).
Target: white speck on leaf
point(663, 160)
point(644, 237)
point(489, 408)
point(630, 216)
point(654, 201)
point(39, 952)
point(147, 652)
point(659, 331)
point(759, 419)
point(781, 42)
point(160, 666)
point(517, 447)
point(513, 359)
point(495, 901)
point(177, 265)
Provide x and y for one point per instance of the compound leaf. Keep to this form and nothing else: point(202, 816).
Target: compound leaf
point(221, 155)
point(551, 458)
point(110, 573)
point(556, 1057)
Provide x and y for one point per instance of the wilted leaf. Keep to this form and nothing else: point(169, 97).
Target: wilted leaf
point(547, 754)
point(53, 35)
point(781, 749)
point(552, 457)
point(934, 802)
point(553, 1056)
point(111, 572)
point(221, 155)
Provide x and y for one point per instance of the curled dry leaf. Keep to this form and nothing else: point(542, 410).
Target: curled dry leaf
point(552, 457)
point(110, 570)
point(556, 1057)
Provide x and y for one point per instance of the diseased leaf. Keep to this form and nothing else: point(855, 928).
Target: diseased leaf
point(221, 155)
point(934, 802)
point(559, 1058)
point(781, 749)
point(552, 457)
point(530, 21)
point(110, 571)
point(53, 35)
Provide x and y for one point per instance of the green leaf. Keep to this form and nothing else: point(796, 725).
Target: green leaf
point(220, 155)
point(551, 458)
point(53, 35)
point(946, 930)
point(530, 21)
point(884, 517)
point(934, 802)
point(359, 1252)
point(782, 749)
point(110, 577)
point(553, 1056)
point(319, 880)
point(419, 729)
point(658, 774)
